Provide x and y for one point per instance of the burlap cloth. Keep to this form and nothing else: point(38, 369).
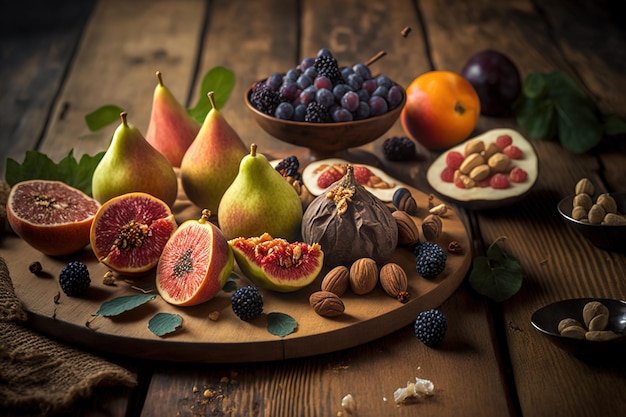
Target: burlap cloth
point(39, 374)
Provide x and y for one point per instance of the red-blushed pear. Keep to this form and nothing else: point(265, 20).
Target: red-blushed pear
point(131, 164)
point(211, 163)
point(260, 201)
point(171, 129)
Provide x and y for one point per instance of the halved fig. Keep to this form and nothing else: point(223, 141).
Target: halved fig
point(51, 216)
point(514, 179)
point(129, 232)
point(277, 264)
point(195, 264)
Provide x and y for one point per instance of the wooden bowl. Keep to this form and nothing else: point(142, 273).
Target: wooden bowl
point(607, 237)
point(326, 139)
point(546, 321)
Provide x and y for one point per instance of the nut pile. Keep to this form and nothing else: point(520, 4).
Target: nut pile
point(601, 211)
point(596, 321)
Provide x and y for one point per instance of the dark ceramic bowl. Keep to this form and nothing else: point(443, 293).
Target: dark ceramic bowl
point(326, 139)
point(546, 321)
point(608, 237)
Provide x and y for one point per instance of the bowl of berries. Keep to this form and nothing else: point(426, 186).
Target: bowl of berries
point(495, 169)
point(324, 108)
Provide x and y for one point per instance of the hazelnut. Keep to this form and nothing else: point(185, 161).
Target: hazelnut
point(614, 219)
point(607, 202)
point(596, 214)
point(363, 276)
point(336, 280)
point(583, 200)
point(326, 304)
point(579, 213)
point(393, 279)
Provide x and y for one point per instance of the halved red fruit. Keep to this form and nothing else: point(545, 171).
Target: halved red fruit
point(195, 264)
point(129, 232)
point(51, 216)
point(277, 264)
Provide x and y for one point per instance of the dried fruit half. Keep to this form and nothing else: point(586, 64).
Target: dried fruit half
point(195, 264)
point(51, 216)
point(129, 232)
point(277, 264)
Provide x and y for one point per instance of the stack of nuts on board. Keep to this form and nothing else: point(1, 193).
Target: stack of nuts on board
point(602, 211)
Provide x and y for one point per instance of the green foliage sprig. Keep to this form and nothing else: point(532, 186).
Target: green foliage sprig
point(497, 275)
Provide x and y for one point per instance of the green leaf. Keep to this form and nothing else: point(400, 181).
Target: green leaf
point(613, 125)
point(124, 303)
point(230, 286)
point(103, 116)
point(221, 81)
point(535, 85)
point(579, 127)
point(497, 276)
point(281, 324)
point(37, 165)
point(537, 118)
point(164, 323)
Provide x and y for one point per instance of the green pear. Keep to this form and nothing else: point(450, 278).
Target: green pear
point(171, 129)
point(260, 201)
point(211, 162)
point(131, 164)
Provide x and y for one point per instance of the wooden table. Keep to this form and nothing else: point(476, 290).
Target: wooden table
point(62, 61)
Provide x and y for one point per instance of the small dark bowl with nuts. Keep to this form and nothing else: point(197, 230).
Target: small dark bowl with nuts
point(588, 216)
point(584, 326)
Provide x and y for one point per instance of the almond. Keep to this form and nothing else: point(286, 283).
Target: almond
point(471, 162)
point(336, 280)
point(363, 276)
point(326, 304)
point(393, 279)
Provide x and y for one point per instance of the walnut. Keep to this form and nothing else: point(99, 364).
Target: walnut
point(363, 276)
point(326, 304)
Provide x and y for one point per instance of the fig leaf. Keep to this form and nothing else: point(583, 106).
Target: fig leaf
point(552, 106)
point(221, 81)
point(103, 116)
point(124, 303)
point(497, 275)
point(37, 165)
point(281, 324)
point(164, 323)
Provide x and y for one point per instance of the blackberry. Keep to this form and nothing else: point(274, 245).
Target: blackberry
point(399, 148)
point(326, 65)
point(74, 279)
point(430, 327)
point(247, 303)
point(431, 259)
point(288, 167)
point(264, 99)
point(316, 113)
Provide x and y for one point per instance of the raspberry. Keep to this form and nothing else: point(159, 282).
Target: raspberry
point(325, 179)
point(512, 152)
point(499, 181)
point(74, 279)
point(362, 174)
point(247, 303)
point(430, 327)
point(454, 159)
point(399, 148)
point(447, 175)
point(459, 183)
point(518, 175)
point(503, 141)
point(484, 183)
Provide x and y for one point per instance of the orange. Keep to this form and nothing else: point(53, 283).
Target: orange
point(441, 109)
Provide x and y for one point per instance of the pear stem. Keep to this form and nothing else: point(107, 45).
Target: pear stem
point(123, 116)
point(160, 78)
point(211, 95)
point(253, 149)
point(206, 215)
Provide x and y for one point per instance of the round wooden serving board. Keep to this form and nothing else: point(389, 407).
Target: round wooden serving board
point(226, 339)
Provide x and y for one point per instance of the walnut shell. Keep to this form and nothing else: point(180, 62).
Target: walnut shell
point(363, 276)
point(326, 304)
point(431, 227)
point(393, 279)
point(408, 233)
point(336, 280)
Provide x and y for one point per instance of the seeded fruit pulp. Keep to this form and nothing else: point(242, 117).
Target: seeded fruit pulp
point(276, 264)
point(195, 264)
point(51, 216)
point(129, 232)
